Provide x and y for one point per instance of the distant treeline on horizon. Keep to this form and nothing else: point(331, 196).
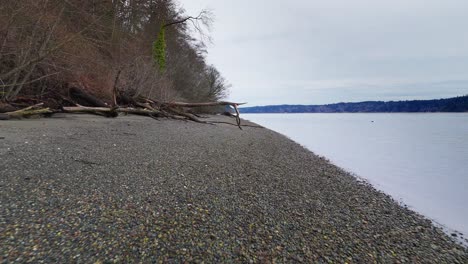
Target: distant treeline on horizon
point(456, 104)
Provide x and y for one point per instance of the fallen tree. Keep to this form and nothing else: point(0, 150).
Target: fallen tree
point(122, 104)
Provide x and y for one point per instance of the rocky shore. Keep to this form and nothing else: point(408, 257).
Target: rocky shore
point(90, 189)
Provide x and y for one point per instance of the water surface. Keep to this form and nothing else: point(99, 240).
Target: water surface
point(418, 159)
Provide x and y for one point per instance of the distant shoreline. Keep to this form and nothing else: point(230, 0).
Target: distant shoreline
point(449, 105)
point(248, 113)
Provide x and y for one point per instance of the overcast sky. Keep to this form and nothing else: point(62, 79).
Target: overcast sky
point(325, 51)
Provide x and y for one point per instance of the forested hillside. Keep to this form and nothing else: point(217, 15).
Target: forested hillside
point(457, 104)
point(145, 47)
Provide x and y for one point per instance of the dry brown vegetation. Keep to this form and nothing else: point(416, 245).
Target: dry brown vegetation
point(49, 47)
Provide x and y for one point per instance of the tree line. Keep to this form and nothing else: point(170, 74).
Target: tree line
point(50, 46)
point(456, 104)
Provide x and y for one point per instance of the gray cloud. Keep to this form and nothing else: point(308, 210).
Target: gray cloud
point(324, 51)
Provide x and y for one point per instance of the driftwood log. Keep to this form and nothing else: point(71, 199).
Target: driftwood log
point(169, 112)
point(26, 112)
point(85, 103)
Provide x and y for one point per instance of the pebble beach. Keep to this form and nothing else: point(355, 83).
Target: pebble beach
point(89, 189)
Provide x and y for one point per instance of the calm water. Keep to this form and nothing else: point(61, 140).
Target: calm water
point(419, 159)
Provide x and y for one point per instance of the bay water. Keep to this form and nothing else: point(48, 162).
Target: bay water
point(421, 159)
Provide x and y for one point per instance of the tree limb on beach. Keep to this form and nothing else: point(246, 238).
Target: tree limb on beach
point(26, 112)
point(122, 104)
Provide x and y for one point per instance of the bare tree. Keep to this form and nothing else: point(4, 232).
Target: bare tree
point(48, 46)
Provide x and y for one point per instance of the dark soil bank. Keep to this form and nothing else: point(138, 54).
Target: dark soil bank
point(90, 189)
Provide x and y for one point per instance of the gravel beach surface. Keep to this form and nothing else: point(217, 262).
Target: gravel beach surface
point(85, 189)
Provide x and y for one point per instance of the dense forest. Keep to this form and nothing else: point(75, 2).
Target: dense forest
point(152, 47)
point(457, 104)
